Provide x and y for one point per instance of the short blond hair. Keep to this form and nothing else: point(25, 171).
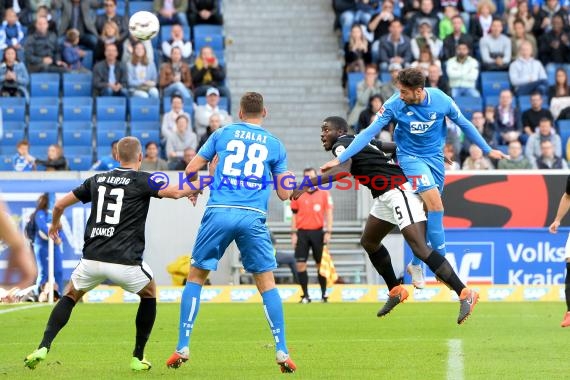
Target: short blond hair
point(129, 149)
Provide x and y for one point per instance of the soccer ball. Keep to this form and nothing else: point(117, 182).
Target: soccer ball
point(144, 25)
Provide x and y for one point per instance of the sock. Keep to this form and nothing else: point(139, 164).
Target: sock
point(383, 264)
point(435, 232)
point(304, 282)
point(144, 322)
point(57, 320)
point(274, 313)
point(567, 288)
point(189, 307)
point(442, 269)
point(323, 284)
point(415, 260)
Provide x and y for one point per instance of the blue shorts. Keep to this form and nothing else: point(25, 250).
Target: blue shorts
point(222, 225)
point(423, 173)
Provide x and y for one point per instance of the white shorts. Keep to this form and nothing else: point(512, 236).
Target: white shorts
point(399, 207)
point(89, 273)
point(567, 253)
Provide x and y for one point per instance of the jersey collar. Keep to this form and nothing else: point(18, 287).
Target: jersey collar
point(427, 99)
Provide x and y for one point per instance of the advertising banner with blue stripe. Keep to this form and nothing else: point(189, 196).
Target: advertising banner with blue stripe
point(21, 197)
point(504, 256)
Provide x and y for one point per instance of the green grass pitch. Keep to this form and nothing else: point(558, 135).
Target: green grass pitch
point(327, 341)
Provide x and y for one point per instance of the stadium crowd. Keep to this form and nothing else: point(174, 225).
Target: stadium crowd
point(505, 63)
point(73, 80)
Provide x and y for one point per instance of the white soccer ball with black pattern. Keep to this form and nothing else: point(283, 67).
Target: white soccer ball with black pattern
point(144, 25)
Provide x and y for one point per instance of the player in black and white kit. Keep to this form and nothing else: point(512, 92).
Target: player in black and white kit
point(395, 203)
point(114, 244)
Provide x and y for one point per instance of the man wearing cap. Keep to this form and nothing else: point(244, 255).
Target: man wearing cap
point(203, 112)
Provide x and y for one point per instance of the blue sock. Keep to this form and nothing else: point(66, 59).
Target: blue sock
point(189, 307)
point(273, 309)
point(435, 232)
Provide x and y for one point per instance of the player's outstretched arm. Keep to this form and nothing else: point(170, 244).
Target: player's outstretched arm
point(334, 174)
point(61, 204)
point(563, 208)
point(192, 169)
point(284, 185)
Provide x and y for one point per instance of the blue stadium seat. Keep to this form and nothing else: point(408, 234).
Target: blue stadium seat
point(44, 109)
point(353, 80)
point(13, 109)
point(77, 84)
point(6, 163)
point(78, 138)
point(144, 109)
point(42, 137)
point(44, 84)
point(385, 77)
point(146, 136)
point(208, 35)
point(493, 82)
point(564, 127)
point(492, 100)
point(78, 108)
point(88, 59)
point(468, 105)
point(223, 104)
point(188, 104)
point(14, 125)
point(165, 33)
point(135, 6)
point(111, 108)
point(109, 126)
point(76, 126)
point(39, 126)
point(11, 137)
point(105, 138)
point(39, 151)
point(103, 151)
point(80, 150)
point(79, 161)
point(503, 148)
point(524, 102)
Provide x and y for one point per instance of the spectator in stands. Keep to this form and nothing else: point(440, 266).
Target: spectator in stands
point(142, 76)
point(547, 159)
point(109, 35)
point(507, 117)
point(207, 72)
point(77, 14)
point(11, 31)
point(554, 45)
point(485, 124)
point(369, 86)
point(545, 132)
point(214, 124)
point(395, 47)
point(42, 11)
point(14, 76)
point(449, 153)
point(175, 77)
point(480, 24)
point(127, 50)
point(356, 52)
point(532, 116)
point(369, 113)
point(169, 118)
point(456, 37)
point(187, 156)
point(43, 53)
point(425, 60)
point(55, 159)
point(203, 112)
point(427, 12)
point(182, 139)
point(171, 11)
point(476, 160)
point(463, 71)
point(446, 23)
point(23, 161)
point(72, 54)
point(151, 161)
point(495, 49)
point(204, 12)
point(178, 40)
point(108, 162)
point(436, 79)
point(379, 25)
point(518, 36)
point(20, 7)
point(388, 89)
point(545, 17)
point(526, 73)
point(522, 13)
point(425, 39)
point(110, 75)
point(516, 160)
point(560, 87)
point(111, 14)
point(361, 14)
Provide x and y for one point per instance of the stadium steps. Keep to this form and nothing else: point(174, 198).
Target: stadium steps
point(289, 53)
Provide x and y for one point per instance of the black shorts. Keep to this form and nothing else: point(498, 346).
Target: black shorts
point(309, 239)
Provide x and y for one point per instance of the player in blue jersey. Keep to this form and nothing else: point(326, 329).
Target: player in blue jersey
point(249, 160)
point(420, 136)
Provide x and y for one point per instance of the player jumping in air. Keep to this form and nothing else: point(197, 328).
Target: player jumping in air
point(395, 203)
point(419, 136)
point(114, 245)
point(249, 157)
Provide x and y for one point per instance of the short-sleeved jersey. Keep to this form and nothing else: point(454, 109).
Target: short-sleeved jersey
point(119, 205)
point(310, 209)
point(249, 158)
point(371, 162)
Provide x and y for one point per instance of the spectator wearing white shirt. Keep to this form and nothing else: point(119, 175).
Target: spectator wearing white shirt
point(203, 113)
point(526, 73)
point(462, 72)
point(177, 40)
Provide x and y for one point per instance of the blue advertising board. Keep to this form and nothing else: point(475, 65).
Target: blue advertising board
point(504, 256)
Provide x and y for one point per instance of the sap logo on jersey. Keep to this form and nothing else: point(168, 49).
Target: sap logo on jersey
point(473, 262)
point(419, 127)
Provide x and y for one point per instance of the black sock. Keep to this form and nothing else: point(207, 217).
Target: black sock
point(144, 322)
point(442, 269)
point(567, 288)
point(383, 264)
point(304, 282)
point(323, 284)
point(57, 319)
